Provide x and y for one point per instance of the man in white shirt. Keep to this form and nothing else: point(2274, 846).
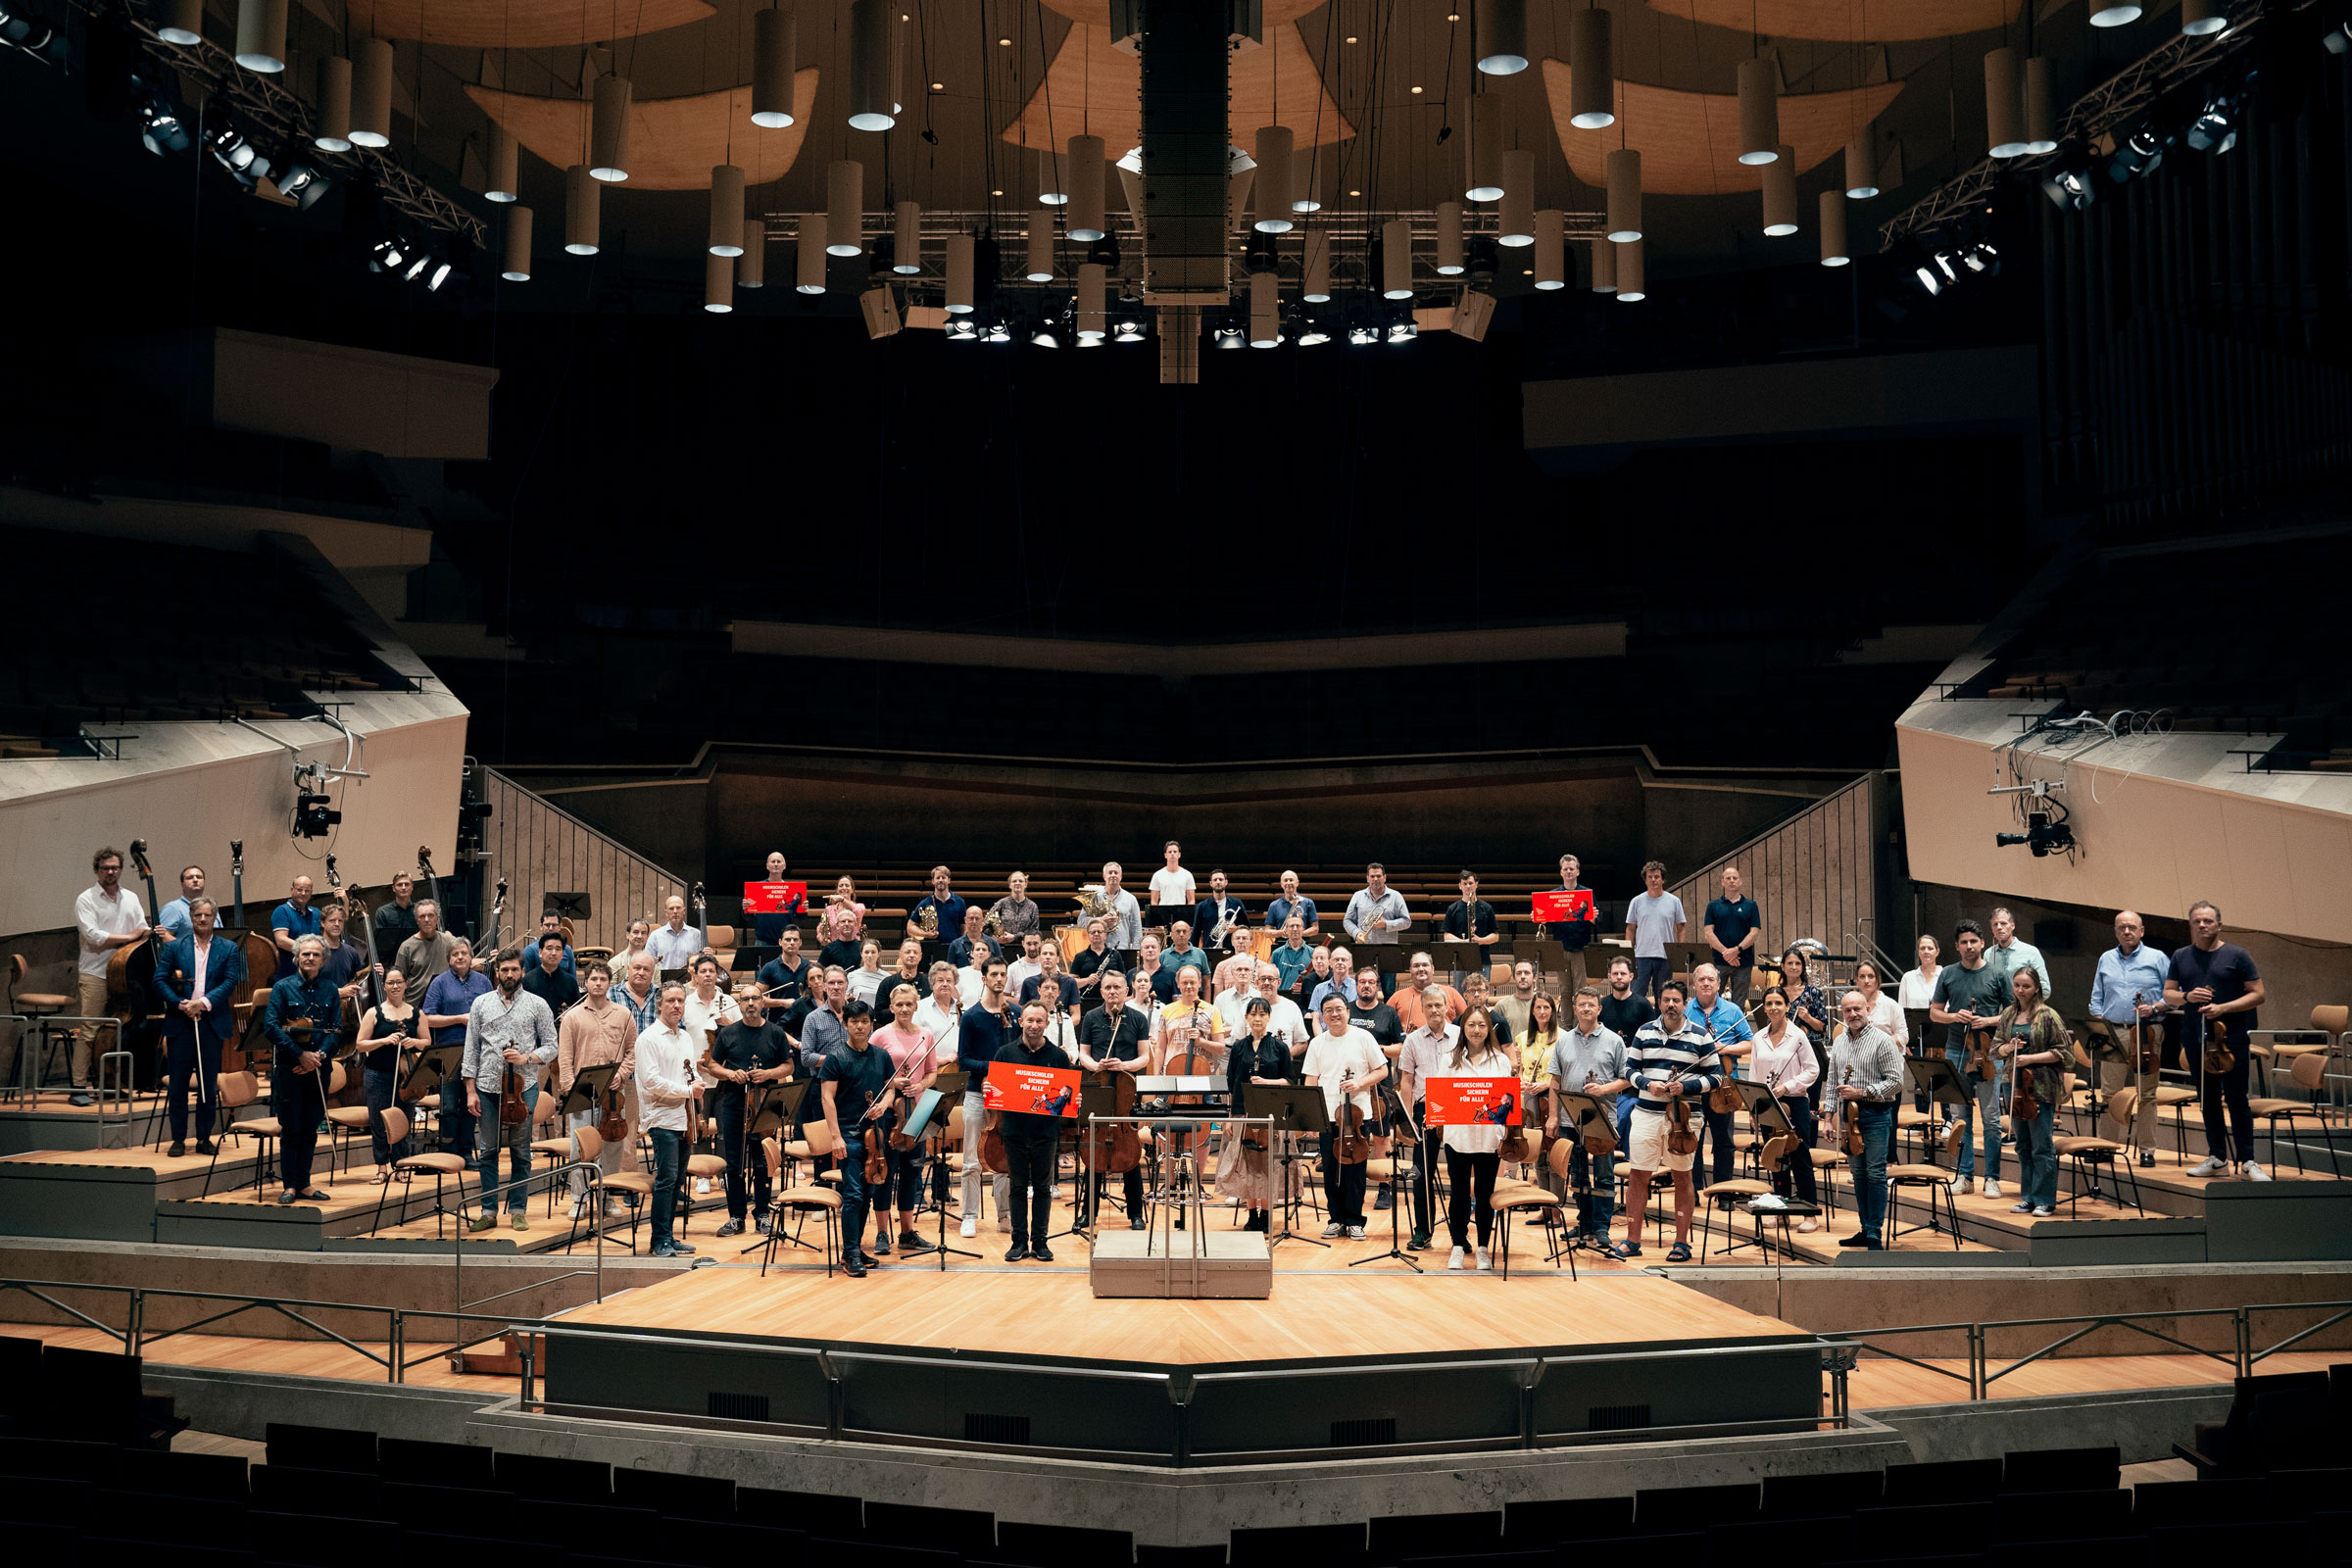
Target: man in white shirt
point(1023, 968)
point(1419, 1058)
point(674, 944)
point(1652, 920)
point(108, 916)
point(1172, 886)
point(939, 1013)
point(666, 1087)
point(1126, 916)
point(1377, 913)
point(1286, 1021)
point(1344, 1063)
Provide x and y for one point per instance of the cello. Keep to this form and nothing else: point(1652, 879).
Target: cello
point(1115, 1150)
point(261, 964)
point(130, 968)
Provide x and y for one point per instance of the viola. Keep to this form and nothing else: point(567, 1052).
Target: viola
point(1355, 1144)
point(2218, 1057)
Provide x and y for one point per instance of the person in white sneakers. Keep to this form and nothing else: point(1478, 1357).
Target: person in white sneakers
point(1969, 997)
point(2217, 982)
point(1472, 1153)
point(1344, 1063)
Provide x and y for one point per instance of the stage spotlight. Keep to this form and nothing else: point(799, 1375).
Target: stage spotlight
point(386, 256)
point(1127, 329)
point(2215, 129)
point(1229, 333)
point(2072, 184)
point(962, 330)
point(2042, 836)
point(1404, 329)
point(238, 155)
point(2141, 153)
point(161, 129)
point(1483, 257)
point(1000, 331)
point(303, 185)
point(1046, 336)
point(29, 33)
point(418, 261)
point(1363, 328)
point(1312, 332)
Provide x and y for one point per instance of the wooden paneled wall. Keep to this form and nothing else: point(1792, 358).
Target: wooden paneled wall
point(1814, 875)
point(541, 848)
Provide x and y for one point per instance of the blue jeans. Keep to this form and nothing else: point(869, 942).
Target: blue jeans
point(517, 1140)
point(2038, 1155)
point(1990, 1097)
point(850, 1162)
point(669, 1159)
point(1648, 975)
point(1594, 1179)
point(1870, 1182)
point(1624, 1119)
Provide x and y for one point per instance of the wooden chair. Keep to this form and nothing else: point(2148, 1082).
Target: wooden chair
point(799, 1201)
point(2276, 1048)
point(1827, 1163)
point(550, 1140)
point(1528, 1198)
point(628, 1183)
point(2086, 1157)
point(722, 941)
point(439, 1166)
point(2310, 1074)
point(38, 1006)
point(1935, 1182)
point(232, 1092)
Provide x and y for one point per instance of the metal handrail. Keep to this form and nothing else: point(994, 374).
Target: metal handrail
point(489, 1194)
point(2092, 1323)
point(1972, 1357)
point(2340, 1310)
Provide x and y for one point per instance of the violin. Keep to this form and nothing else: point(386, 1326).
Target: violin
point(2144, 1049)
point(1979, 1054)
point(1515, 1150)
point(2218, 1057)
point(615, 1127)
point(1680, 1137)
point(1354, 1142)
point(512, 1111)
point(1850, 1115)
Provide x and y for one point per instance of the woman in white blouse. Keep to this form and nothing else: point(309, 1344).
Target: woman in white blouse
point(866, 978)
point(1783, 1058)
point(1912, 995)
point(1473, 1155)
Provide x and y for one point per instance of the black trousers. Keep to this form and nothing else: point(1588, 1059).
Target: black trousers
point(740, 1165)
point(191, 1054)
point(1428, 1160)
point(1718, 1139)
point(1472, 1178)
point(2217, 1091)
point(1032, 1165)
point(1131, 1185)
point(299, 1103)
point(1799, 1168)
point(1343, 1185)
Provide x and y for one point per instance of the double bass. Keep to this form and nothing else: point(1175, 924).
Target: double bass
point(261, 964)
point(130, 968)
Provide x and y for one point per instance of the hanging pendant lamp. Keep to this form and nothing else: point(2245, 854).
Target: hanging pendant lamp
point(609, 130)
point(773, 44)
point(1623, 173)
point(1759, 111)
point(1489, 131)
point(2004, 111)
point(517, 268)
point(583, 203)
point(1592, 71)
point(372, 95)
point(333, 132)
point(808, 255)
point(262, 35)
point(1450, 239)
point(1779, 193)
point(1551, 249)
point(751, 268)
point(726, 210)
point(1832, 228)
point(907, 241)
point(874, 80)
point(1085, 219)
point(845, 208)
point(1629, 274)
point(718, 284)
point(1501, 27)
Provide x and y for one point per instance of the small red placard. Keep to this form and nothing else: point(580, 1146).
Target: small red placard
point(775, 898)
point(1557, 905)
point(1030, 1090)
point(1472, 1102)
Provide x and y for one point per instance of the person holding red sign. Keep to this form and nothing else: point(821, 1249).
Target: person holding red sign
point(768, 926)
point(1472, 1151)
point(1576, 931)
point(1031, 1142)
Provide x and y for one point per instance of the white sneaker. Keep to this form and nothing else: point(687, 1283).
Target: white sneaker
point(579, 1206)
point(1355, 1233)
point(1334, 1230)
point(611, 1208)
point(2045, 1212)
point(2255, 1173)
point(1957, 1186)
point(2210, 1165)
point(1456, 1261)
point(1992, 1188)
point(2021, 1208)
point(970, 1227)
point(1004, 1224)
point(1486, 1261)
point(1807, 1226)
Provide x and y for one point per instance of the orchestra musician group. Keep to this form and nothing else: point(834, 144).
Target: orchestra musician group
point(1182, 984)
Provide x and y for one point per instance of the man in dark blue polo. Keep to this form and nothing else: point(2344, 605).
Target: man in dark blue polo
point(1733, 925)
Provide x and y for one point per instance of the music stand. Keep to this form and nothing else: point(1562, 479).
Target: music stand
point(1094, 1100)
point(1683, 957)
point(433, 1068)
point(1455, 949)
point(588, 1087)
point(1578, 1111)
point(935, 953)
point(1769, 1119)
point(570, 905)
point(1298, 1112)
point(951, 1084)
point(1942, 1083)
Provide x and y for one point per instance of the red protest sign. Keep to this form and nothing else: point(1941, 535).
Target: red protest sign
point(1556, 906)
point(1030, 1090)
point(775, 898)
point(1472, 1102)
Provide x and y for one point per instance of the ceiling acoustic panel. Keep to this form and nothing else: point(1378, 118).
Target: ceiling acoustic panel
point(674, 142)
point(1093, 88)
point(1844, 20)
point(1689, 141)
point(519, 23)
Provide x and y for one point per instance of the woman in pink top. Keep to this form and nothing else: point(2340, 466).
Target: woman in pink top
point(1784, 1058)
point(913, 1069)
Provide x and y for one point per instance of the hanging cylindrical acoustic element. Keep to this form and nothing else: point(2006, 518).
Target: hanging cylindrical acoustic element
point(1053, 187)
point(751, 268)
point(1501, 27)
point(1039, 267)
point(2041, 114)
point(873, 83)
point(609, 130)
point(2113, 12)
point(517, 268)
point(1093, 278)
point(183, 23)
point(718, 284)
point(1592, 71)
point(1604, 265)
point(1551, 249)
point(1862, 165)
point(960, 274)
point(1088, 170)
point(506, 166)
point(907, 241)
point(262, 35)
point(1779, 193)
point(1489, 133)
point(1629, 272)
point(1759, 112)
point(1314, 271)
point(1624, 177)
point(372, 95)
point(583, 202)
point(1305, 169)
point(2201, 16)
point(1832, 228)
point(726, 210)
point(1265, 311)
point(845, 207)
point(1450, 239)
point(773, 45)
point(1276, 161)
point(1517, 213)
point(2004, 114)
point(1397, 260)
point(333, 131)
point(808, 255)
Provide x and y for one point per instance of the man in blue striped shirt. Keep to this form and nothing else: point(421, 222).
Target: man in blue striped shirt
point(1664, 1064)
point(2128, 984)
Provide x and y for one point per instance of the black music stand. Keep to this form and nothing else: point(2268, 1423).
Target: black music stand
point(1396, 1205)
point(1094, 1100)
point(1452, 950)
point(570, 905)
point(1298, 1112)
point(1943, 1084)
point(588, 1087)
point(1769, 1119)
point(1579, 1110)
point(952, 1083)
point(431, 1069)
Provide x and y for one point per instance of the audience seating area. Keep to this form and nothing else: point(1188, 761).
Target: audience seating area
point(325, 1498)
point(49, 691)
point(2123, 636)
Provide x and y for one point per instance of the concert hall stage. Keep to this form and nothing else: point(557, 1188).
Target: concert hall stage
point(1333, 1364)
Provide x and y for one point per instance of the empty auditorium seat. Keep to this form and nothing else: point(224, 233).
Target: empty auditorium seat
point(906, 1524)
point(2062, 1469)
point(1813, 1496)
point(1553, 1520)
point(1393, 1538)
point(319, 1447)
point(2064, 1515)
point(815, 1513)
point(1946, 1481)
point(182, 1475)
point(465, 1511)
point(1684, 1508)
point(1061, 1545)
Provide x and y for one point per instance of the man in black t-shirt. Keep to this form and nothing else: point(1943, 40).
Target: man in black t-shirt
point(1114, 1038)
point(851, 1077)
point(1378, 1020)
point(1969, 996)
point(1622, 1011)
point(2217, 983)
point(1030, 1143)
point(1470, 919)
point(748, 1057)
point(786, 975)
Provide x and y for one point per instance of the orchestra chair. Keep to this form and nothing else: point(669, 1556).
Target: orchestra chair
point(800, 1203)
point(231, 1092)
point(720, 940)
point(550, 1138)
point(345, 1124)
point(2273, 1048)
point(1934, 1181)
point(1912, 1122)
point(2085, 1157)
point(1526, 1198)
point(439, 1166)
point(1827, 1163)
point(2309, 1071)
point(634, 1182)
point(37, 1008)
point(1724, 1198)
point(700, 1168)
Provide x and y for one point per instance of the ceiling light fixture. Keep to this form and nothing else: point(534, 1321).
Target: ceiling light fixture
point(1314, 268)
point(1085, 219)
point(583, 200)
point(1277, 161)
point(2041, 116)
point(907, 241)
point(1551, 249)
point(1490, 134)
point(1832, 228)
point(718, 284)
point(845, 204)
point(1397, 260)
point(1629, 274)
point(2114, 14)
point(1604, 265)
point(1515, 217)
point(751, 268)
point(1759, 111)
point(2004, 106)
point(505, 183)
point(960, 271)
point(726, 210)
point(332, 132)
point(1592, 71)
point(609, 130)
point(1779, 193)
point(808, 255)
point(1450, 239)
point(1861, 167)
point(1500, 26)
point(183, 23)
point(1623, 175)
point(262, 35)
point(874, 80)
point(775, 43)
point(1039, 269)
point(372, 95)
